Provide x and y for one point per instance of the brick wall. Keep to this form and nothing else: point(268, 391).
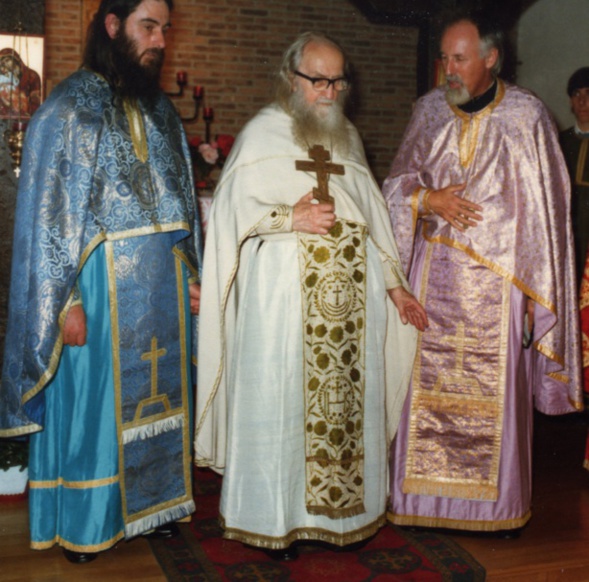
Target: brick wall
point(233, 47)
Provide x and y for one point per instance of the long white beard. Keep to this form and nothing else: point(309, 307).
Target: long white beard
point(324, 125)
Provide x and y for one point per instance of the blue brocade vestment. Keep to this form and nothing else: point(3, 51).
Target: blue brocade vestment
point(105, 215)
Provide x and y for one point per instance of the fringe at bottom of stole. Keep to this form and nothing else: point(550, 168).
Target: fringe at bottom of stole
point(149, 522)
point(152, 429)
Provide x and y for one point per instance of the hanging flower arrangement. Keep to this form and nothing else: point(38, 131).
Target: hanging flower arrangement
point(208, 156)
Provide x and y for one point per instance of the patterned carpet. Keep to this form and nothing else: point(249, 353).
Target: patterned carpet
point(201, 554)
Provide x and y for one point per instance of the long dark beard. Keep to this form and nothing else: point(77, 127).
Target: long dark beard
point(310, 127)
point(136, 80)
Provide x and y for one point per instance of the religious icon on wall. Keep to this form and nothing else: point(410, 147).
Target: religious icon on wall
point(21, 75)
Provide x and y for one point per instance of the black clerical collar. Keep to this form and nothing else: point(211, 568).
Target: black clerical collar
point(480, 102)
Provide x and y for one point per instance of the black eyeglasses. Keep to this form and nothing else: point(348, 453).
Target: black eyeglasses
point(321, 83)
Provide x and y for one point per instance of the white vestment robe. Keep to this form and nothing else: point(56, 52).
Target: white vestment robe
point(251, 421)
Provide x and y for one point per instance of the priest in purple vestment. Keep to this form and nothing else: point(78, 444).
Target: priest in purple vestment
point(479, 199)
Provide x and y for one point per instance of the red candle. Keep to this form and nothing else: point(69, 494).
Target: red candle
point(208, 113)
point(181, 77)
point(199, 91)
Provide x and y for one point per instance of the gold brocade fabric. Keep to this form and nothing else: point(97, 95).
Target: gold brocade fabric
point(333, 274)
point(458, 380)
point(137, 129)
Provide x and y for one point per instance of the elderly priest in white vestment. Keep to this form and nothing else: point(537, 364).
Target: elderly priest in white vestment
point(307, 322)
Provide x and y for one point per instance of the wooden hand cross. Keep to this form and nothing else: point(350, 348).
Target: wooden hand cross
point(323, 167)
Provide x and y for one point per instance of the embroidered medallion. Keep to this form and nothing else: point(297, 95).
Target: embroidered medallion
point(333, 269)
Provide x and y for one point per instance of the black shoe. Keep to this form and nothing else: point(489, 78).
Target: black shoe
point(412, 528)
point(509, 534)
point(163, 532)
point(354, 547)
point(79, 557)
point(283, 555)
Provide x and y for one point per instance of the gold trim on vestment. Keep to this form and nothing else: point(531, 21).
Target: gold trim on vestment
point(581, 163)
point(499, 95)
point(61, 482)
point(302, 533)
point(93, 548)
point(497, 269)
point(152, 419)
point(435, 408)
point(186, 435)
point(278, 218)
point(162, 399)
point(56, 353)
point(440, 239)
point(154, 509)
point(116, 362)
point(191, 269)
point(145, 230)
point(333, 302)
point(20, 431)
point(136, 129)
point(549, 354)
point(469, 136)
point(559, 377)
point(465, 524)
point(223, 306)
point(415, 207)
point(471, 122)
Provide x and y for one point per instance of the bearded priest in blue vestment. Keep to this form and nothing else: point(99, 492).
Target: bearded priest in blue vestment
point(105, 280)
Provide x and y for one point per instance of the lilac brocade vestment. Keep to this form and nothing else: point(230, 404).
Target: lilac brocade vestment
point(462, 456)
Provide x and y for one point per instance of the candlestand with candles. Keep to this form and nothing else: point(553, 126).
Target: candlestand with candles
point(208, 116)
point(197, 95)
point(181, 81)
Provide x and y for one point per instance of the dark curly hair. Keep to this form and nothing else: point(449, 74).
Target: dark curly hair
point(98, 54)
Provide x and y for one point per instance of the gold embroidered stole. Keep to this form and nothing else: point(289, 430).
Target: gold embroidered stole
point(333, 275)
point(458, 380)
point(137, 129)
point(150, 374)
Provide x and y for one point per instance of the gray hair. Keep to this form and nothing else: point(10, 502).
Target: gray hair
point(490, 32)
point(291, 61)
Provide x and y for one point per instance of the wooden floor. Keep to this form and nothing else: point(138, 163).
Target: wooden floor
point(553, 547)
